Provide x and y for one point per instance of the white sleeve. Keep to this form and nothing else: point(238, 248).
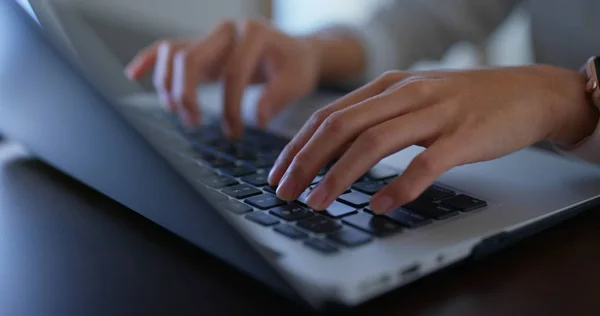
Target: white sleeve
point(406, 31)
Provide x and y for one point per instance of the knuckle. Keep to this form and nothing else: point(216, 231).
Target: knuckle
point(419, 87)
point(319, 117)
point(388, 77)
point(334, 124)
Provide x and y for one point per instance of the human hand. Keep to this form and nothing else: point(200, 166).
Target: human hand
point(239, 53)
point(461, 117)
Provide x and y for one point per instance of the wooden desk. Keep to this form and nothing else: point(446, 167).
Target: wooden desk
point(67, 250)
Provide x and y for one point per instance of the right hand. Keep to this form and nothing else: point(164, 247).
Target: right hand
point(239, 54)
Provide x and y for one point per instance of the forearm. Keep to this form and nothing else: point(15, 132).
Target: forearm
point(339, 55)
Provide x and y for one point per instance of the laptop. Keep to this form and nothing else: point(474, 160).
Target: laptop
point(213, 193)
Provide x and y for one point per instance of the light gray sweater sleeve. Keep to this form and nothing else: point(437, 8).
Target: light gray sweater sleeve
point(406, 31)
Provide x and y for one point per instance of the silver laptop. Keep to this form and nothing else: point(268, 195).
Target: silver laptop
point(213, 193)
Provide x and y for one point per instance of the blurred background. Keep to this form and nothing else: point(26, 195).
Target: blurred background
point(128, 25)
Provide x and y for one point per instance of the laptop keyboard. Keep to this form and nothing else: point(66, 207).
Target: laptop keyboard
point(235, 175)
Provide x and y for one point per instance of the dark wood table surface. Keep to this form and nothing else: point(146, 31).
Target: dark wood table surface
point(67, 250)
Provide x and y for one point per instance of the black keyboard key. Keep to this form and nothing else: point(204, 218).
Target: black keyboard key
point(429, 209)
point(217, 162)
point(350, 237)
point(197, 155)
point(345, 192)
point(319, 224)
point(261, 162)
point(222, 145)
point(291, 212)
point(218, 182)
point(355, 199)
point(241, 191)
point(215, 196)
point(381, 172)
point(337, 210)
point(238, 170)
point(321, 246)
point(271, 189)
point(240, 154)
point(290, 231)
point(376, 225)
point(406, 218)
point(262, 218)
point(436, 193)
point(235, 207)
point(258, 179)
point(368, 187)
point(265, 201)
point(464, 203)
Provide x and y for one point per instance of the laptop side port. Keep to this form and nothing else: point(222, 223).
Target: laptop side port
point(410, 273)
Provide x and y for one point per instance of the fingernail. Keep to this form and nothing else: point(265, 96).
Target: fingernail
point(317, 198)
point(287, 188)
point(383, 204)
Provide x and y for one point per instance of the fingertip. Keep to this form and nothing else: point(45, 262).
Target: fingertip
point(381, 204)
point(131, 72)
point(232, 131)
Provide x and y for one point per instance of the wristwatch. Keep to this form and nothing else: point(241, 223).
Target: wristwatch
point(588, 148)
point(592, 71)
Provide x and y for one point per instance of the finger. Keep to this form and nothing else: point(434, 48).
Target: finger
point(343, 125)
point(314, 122)
point(369, 148)
point(163, 72)
point(425, 168)
point(142, 62)
point(191, 65)
point(185, 80)
point(276, 95)
point(241, 65)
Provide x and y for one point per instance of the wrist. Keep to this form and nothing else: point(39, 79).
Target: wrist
point(577, 117)
point(315, 52)
point(337, 55)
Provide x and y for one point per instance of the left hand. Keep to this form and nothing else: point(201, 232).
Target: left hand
point(461, 117)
